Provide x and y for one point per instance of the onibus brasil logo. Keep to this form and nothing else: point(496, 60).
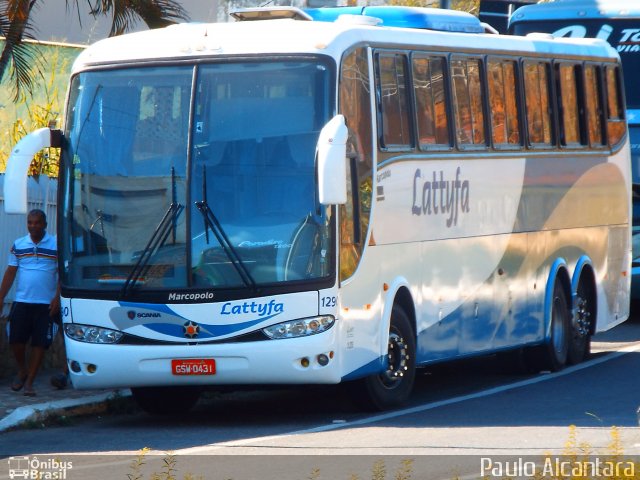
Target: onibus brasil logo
point(36, 468)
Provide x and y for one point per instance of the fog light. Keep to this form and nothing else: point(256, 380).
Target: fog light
point(304, 362)
point(91, 368)
point(323, 359)
point(75, 367)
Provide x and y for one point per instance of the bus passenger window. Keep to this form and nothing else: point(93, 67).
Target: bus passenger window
point(593, 100)
point(569, 113)
point(505, 129)
point(536, 84)
point(393, 102)
point(615, 111)
point(468, 105)
point(431, 109)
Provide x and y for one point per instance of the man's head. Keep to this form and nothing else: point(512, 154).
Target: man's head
point(36, 224)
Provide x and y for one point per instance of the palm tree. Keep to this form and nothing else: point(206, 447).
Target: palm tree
point(15, 27)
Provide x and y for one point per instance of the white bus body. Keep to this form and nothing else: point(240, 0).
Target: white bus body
point(615, 21)
point(417, 250)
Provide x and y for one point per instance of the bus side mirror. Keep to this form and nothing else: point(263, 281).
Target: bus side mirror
point(332, 162)
point(15, 176)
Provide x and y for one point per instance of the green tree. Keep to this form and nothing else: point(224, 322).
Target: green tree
point(43, 109)
point(16, 26)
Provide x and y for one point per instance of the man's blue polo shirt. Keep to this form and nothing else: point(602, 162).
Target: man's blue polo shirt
point(37, 269)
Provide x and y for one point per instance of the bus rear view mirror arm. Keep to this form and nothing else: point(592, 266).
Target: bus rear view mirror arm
point(332, 162)
point(15, 177)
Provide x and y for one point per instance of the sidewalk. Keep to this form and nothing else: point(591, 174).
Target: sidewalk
point(18, 410)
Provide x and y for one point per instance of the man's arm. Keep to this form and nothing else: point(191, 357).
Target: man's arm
point(7, 282)
point(54, 305)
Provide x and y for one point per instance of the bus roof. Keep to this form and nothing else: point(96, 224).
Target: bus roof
point(288, 36)
point(577, 10)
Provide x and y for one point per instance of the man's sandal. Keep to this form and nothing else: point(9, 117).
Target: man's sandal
point(29, 392)
point(18, 383)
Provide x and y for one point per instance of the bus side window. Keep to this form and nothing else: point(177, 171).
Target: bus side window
point(615, 110)
point(570, 125)
point(594, 103)
point(536, 90)
point(393, 102)
point(505, 126)
point(430, 100)
point(467, 102)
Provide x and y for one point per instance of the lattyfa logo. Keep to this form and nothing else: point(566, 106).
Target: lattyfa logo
point(36, 468)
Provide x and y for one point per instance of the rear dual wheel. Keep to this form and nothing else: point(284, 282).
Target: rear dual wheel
point(554, 353)
point(581, 324)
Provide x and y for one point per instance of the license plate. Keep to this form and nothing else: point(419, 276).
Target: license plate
point(194, 366)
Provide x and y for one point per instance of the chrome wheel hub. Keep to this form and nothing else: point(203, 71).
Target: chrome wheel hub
point(397, 361)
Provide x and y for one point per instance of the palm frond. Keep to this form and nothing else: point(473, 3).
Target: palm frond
point(126, 13)
point(159, 13)
point(21, 58)
point(69, 4)
point(4, 19)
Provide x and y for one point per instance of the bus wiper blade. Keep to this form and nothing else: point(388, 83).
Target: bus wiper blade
point(211, 222)
point(158, 238)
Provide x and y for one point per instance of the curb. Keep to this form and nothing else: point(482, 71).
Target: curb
point(67, 407)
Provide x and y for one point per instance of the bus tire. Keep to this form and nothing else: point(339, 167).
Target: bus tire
point(166, 400)
point(581, 324)
point(393, 387)
point(552, 355)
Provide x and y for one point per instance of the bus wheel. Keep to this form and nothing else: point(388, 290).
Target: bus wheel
point(552, 355)
point(166, 400)
point(584, 315)
point(393, 387)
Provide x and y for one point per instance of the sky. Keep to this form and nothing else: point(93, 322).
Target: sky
point(54, 22)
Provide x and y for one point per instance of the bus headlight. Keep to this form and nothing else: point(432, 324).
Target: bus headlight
point(91, 334)
point(300, 328)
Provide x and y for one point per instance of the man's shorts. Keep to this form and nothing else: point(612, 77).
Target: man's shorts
point(30, 321)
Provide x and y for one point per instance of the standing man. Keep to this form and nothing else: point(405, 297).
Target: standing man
point(34, 260)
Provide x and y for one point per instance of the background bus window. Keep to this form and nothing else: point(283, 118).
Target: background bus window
point(430, 98)
point(505, 128)
point(593, 100)
point(569, 112)
point(536, 85)
point(467, 102)
point(355, 105)
point(615, 111)
point(393, 102)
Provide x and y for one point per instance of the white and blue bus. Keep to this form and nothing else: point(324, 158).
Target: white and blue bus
point(344, 195)
point(617, 22)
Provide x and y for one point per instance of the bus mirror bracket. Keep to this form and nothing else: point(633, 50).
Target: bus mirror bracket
point(15, 176)
point(332, 162)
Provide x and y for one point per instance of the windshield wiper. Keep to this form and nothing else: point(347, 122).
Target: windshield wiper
point(211, 222)
point(167, 226)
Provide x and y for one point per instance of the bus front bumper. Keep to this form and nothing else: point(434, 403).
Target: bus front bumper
point(305, 360)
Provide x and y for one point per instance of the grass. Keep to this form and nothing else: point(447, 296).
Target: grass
point(576, 462)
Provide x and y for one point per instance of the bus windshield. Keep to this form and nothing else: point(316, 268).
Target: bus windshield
point(194, 176)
